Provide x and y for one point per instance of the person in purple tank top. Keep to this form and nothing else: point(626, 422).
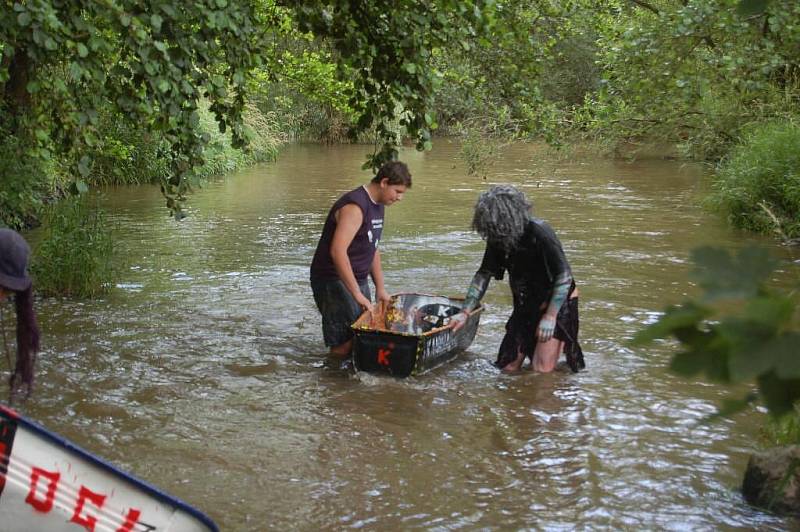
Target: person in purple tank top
point(347, 254)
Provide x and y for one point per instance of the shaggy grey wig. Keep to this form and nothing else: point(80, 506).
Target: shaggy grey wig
point(501, 214)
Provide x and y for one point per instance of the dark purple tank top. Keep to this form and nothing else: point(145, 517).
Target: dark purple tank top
point(362, 249)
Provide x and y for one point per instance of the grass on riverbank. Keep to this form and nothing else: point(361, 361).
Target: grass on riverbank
point(785, 431)
point(75, 255)
point(265, 138)
point(758, 183)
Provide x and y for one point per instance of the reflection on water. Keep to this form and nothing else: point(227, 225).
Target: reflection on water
point(200, 372)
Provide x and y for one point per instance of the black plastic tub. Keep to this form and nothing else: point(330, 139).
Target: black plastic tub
point(412, 335)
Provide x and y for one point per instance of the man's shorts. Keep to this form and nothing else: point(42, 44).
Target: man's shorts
point(339, 309)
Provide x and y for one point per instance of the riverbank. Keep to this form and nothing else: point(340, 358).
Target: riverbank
point(128, 155)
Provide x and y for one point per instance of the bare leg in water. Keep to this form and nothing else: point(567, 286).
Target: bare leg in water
point(545, 356)
point(342, 351)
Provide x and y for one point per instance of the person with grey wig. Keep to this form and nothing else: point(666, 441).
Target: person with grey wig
point(544, 321)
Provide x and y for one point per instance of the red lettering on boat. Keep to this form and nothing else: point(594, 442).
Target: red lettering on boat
point(130, 520)
point(52, 477)
point(96, 499)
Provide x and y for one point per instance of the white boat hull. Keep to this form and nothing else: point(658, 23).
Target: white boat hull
point(48, 484)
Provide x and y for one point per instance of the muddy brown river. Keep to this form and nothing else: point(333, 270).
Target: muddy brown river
point(201, 371)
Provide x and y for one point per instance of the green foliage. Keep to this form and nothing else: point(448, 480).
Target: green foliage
point(221, 157)
point(300, 89)
point(388, 46)
point(132, 155)
point(695, 73)
point(24, 182)
point(128, 154)
point(62, 61)
point(65, 64)
point(75, 254)
point(539, 57)
point(739, 331)
point(300, 86)
point(264, 135)
point(476, 152)
point(483, 140)
point(758, 184)
point(783, 431)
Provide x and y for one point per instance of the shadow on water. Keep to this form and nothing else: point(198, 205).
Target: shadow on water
point(202, 371)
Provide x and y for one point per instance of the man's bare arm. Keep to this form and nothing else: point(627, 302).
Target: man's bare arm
point(348, 220)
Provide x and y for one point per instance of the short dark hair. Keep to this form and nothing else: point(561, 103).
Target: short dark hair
point(396, 172)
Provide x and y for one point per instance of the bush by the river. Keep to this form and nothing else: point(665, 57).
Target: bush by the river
point(75, 254)
point(265, 137)
point(24, 183)
point(129, 154)
point(758, 184)
point(132, 155)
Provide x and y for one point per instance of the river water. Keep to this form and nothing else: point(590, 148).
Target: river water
point(202, 371)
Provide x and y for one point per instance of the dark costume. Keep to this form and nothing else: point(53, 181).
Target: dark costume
point(533, 265)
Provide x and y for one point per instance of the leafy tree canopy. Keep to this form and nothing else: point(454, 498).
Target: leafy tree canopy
point(153, 62)
point(698, 70)
point(387, 48)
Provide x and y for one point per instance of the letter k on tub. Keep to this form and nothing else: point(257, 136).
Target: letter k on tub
point(383, 355)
